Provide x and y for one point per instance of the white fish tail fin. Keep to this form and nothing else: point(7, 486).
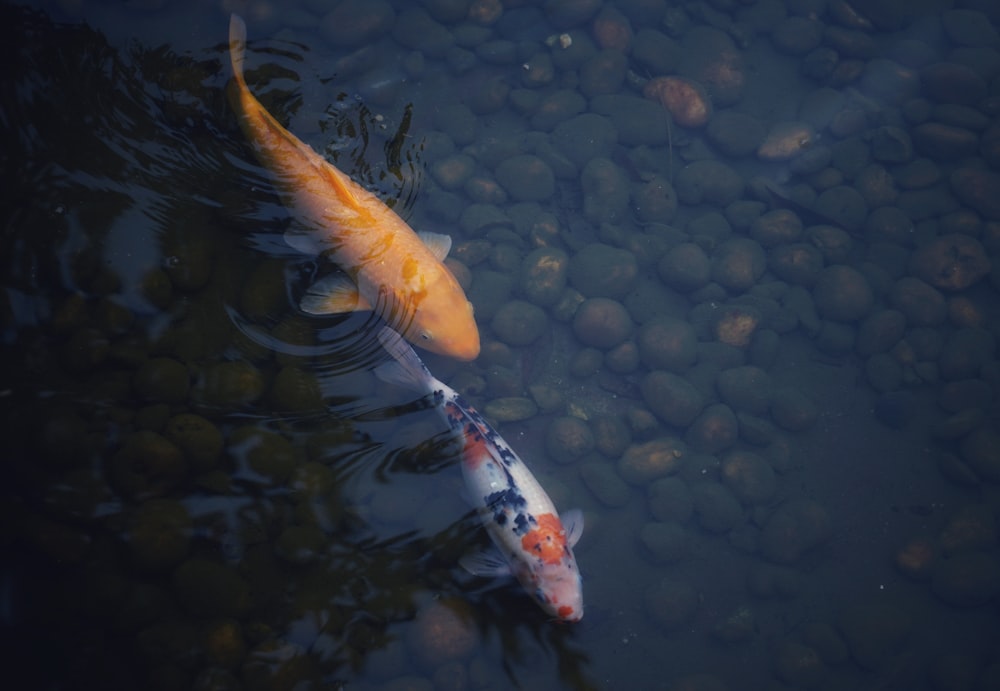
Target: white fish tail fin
point(237, 46)
point(408, 370)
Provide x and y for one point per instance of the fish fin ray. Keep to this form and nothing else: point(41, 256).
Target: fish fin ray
point(237, 46)
point(406, 369)
point(572, 521)
point(488, 564)
point(333, 295)
point(438, 243)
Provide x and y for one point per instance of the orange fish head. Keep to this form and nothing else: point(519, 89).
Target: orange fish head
point(444, 324)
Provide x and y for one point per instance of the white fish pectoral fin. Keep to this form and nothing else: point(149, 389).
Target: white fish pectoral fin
point(437, 243)
point(333, 295)
point(408, 370)
point(488, 564)
point(572, 521)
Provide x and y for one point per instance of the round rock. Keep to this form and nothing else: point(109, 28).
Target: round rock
point(666, 343)
point(978, 188)
point(951, 262)
point(685, 267)
point(519, 323)
point(600, 270)
point(738, 264)
point(602, 323)
point(842, 293)
point(708, 181)
point(920, 303)
point(526, 178)
point(735, 134)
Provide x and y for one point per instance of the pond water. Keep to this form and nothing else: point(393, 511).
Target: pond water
point(731, 266)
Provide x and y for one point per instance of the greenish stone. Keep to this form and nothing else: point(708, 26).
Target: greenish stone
point(543, 275)
point(159, 534)
point(230, 385)
point(519, 323)
point(209, 589)
point(147, 465)
point(548, 398)
point(199, 439)
point(265, 456)
point(604, 484)
point(510, 409)
point(294, 389)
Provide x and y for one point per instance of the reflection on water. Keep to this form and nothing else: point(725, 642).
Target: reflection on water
point(193, 472)
point(734, 267)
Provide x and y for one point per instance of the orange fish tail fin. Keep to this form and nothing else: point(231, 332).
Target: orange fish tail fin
point(237, 47)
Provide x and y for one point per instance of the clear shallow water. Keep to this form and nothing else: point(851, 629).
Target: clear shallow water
point(304, 528)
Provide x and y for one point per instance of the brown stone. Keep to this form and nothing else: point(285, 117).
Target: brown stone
point(686, 100)
point(978, 188)
point(948, 82)
point(950, 262)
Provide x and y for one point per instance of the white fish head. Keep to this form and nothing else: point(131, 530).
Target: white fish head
point(558, 588)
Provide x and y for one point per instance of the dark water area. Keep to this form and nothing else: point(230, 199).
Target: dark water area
point(733, 267)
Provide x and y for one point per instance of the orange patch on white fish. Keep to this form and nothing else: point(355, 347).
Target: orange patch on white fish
point(548, 540)
point(392, 270)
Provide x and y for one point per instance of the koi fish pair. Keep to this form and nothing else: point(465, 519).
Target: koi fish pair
point(534, 544)
point(401, 277)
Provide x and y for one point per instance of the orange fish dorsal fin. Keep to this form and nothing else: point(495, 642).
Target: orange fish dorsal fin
point(342, 185)
point(332, 295)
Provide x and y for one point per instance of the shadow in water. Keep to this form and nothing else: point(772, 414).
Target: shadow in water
point(189, 460)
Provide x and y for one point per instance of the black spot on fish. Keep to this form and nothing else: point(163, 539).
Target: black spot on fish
point(500, 502)
point(523, 523)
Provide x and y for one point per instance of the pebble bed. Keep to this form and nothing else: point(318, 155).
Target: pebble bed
point(732, 267)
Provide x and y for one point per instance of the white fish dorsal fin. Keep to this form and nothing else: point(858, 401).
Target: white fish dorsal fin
point(437, 243)
point(489, 564)
point(572, 521)
point(332, 295)
point(408, 370)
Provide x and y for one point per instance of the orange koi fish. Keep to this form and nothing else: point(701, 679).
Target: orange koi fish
point(392, 271)
point(534, 544)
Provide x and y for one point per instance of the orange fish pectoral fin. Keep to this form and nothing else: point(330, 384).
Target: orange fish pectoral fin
point(438, 243)
point(333, 295)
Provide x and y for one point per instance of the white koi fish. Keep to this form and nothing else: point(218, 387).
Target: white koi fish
point(535, 545)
